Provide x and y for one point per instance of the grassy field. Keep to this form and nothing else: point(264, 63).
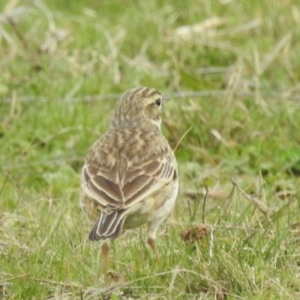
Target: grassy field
point(232, 69)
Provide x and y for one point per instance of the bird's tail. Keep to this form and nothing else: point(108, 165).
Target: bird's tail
point(108, 226)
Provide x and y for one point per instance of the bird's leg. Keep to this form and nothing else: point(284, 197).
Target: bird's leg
point(151, 243)
point(152, 229)
point(105, 250)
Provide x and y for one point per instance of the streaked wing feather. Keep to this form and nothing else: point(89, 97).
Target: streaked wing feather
point(136, 183)
point(140, 194)
point(96, 186)
point(109, 187)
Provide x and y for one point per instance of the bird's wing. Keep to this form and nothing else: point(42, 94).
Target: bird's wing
point(115, 191)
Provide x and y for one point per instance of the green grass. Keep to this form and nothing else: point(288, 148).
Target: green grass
point(239, 159)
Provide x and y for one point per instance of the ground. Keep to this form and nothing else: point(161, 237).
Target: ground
point(231, 69)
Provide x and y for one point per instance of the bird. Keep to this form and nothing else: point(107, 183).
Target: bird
point(130, 177)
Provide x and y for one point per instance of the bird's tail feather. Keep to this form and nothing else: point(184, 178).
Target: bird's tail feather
point(108, 226)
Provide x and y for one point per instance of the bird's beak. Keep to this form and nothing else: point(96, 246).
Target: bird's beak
point(165, 99)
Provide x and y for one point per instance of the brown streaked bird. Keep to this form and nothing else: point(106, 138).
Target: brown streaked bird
point(130, 174)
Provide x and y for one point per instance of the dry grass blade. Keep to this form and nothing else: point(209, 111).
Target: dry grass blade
point(206, 27)
point(15, 277)
point(17, 31)
point(53, 282)
point(240, 28)
point(272, 56)
point(180, 140)
point(253, 199)
point(13, 14)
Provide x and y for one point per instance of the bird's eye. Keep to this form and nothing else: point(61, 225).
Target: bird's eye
point(158, 102)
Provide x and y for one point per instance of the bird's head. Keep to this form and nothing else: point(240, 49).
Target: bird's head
point(139, 107)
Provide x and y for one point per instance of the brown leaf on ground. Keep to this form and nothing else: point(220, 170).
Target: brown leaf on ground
point(119, 278)
point(194, 234)
point(221, 294)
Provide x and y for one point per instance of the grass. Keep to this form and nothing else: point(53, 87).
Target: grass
point(234, 84)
